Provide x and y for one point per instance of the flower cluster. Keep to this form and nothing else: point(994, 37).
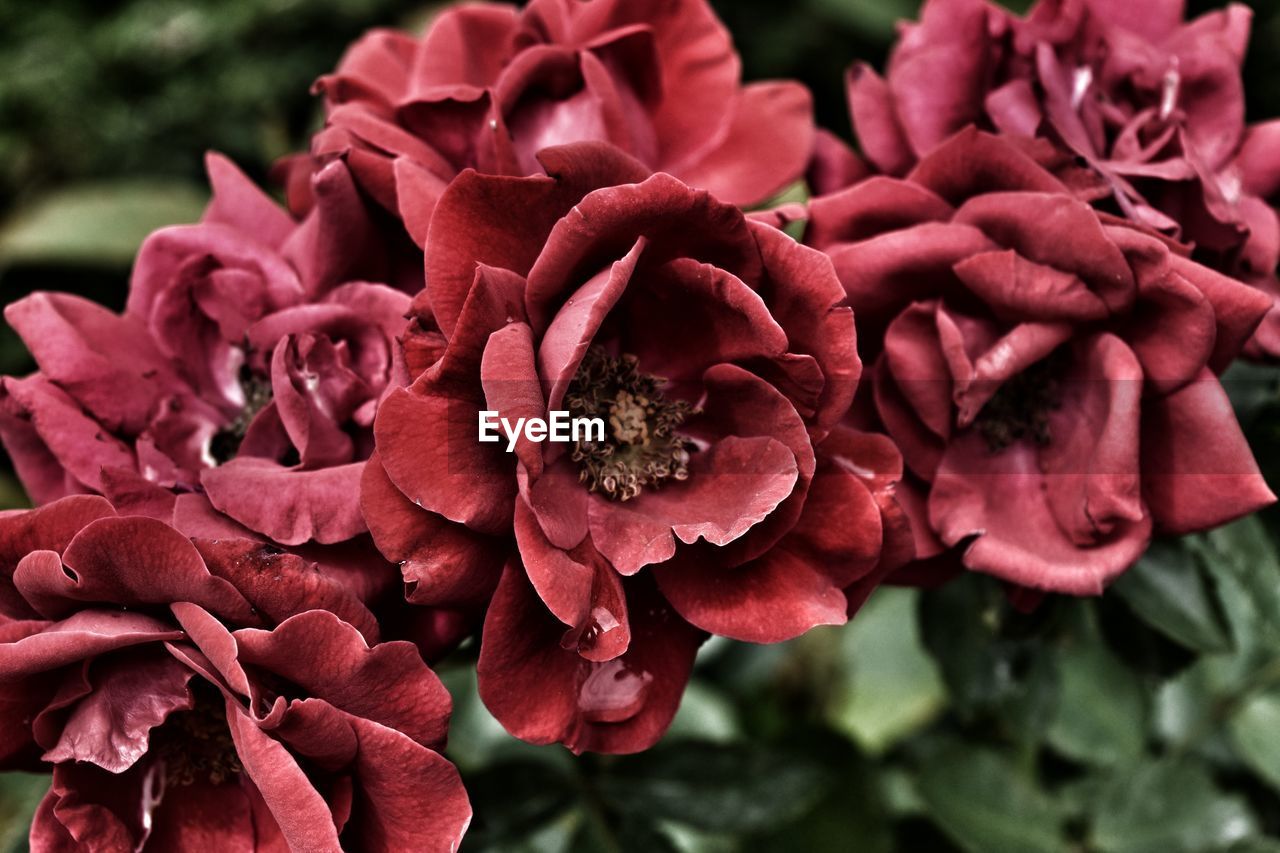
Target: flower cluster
point(263, 504)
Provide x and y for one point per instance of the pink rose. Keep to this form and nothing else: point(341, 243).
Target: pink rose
point(1048, 371)
point(1151, 105)
point(489, 85)
point(184, 702)
point(723, 496)
point(247, 365)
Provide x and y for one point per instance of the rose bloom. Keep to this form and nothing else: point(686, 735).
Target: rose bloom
point(1048, 371)
point(1153, 106)
point(723, 497)
point(247, 365)
point(197, 693)
point(489, 85)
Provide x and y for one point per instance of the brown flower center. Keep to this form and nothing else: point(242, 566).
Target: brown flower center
point(1021, 408)
point(641, 447)
point(196, 745)
point(257, 394)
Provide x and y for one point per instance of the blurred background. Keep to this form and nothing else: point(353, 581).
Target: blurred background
point(1148, 720)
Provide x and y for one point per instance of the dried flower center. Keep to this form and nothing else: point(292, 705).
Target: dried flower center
point(641, 447)
point(196, 745)
point(1021, 408)
point(257, 394)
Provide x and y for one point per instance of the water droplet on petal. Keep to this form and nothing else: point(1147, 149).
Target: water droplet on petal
point(1081, 80)
point(604, 620)
point(153, 785)
point(1169, 94)
point(614, 691)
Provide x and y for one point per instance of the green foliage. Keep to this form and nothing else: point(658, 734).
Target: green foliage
point(20, 793)
point(1165, 806)
point(1100, 714)
point(100, 224)
point(1169, 590)
point(979, 798)
point(102, 89)
point(1254, 730)
point(883, 684)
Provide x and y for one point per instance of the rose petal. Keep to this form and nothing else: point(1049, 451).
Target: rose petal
point(111, 726)
point(1197, 469)
point(290, 506)
point(773, 117)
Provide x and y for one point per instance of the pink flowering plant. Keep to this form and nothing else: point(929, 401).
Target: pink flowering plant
point(578, 444)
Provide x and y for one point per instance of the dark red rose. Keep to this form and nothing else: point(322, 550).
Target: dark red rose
point(209, 693)
point(1048, 371)
point(723, 498)
point(489, 85)
point(247, 365)
point(1151, 105)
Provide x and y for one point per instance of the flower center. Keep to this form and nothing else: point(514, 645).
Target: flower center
point(1021, 408)
point(641, 447)
point(257, 394)
point(196, 745)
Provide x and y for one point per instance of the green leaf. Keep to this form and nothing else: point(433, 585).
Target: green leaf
point(1078, 797)
point(704, 714)
point(960, 623)
point(12, 495)
point(1168, 590)
point(741, 788)
point(978, 799)
point(1243, 559)
point(513, 799)
point(1100, 715)
point(1165, 807)
point(685, 839)
point(995, 661)
point(1254, 730)
point(854, 808)
point(1191, 710)
point(634, 835)
point(796, 193)
point(96, 224)
point(20, 793)
point(1256, 845)
point(1184, 705)
point(1253, 388)
point(888, 686)
point(901, 793)
point(874, 18)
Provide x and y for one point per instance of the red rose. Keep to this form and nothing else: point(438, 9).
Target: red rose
point(1048, 371)
point(1152, 106)
point(247, 365)
point(183, 702)
point(720, 498)
point(1258, 168)
point(489, 85)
